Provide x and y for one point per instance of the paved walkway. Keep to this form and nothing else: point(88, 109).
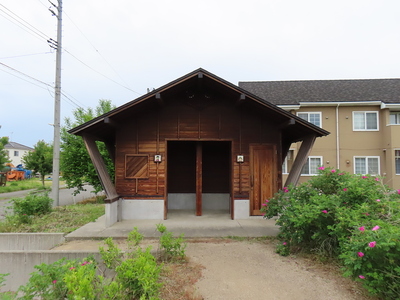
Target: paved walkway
point(211, 224)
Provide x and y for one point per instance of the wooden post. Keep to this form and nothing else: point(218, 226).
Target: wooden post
point(100, 167)
point(300, 160)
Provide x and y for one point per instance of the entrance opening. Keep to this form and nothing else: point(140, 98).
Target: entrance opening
point(214, 184)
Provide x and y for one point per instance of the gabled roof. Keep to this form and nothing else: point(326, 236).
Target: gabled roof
point(99, 127)
point(14, 145)
point(352, 90)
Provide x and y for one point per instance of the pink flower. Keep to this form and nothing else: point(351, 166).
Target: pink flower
point(264, 204)
point(325, 211)
point(284, 243)
point(365, 177)
point(345, 189)
point(333, 170)
point(375, 228)
point(360, 254)
point(378, 200)
point(362, 277)
point(54, 281)
point(267, 201)
point(362, 228)
point(286, 190)
point(398, 192)
point(321, 168)
point(341, 174)
point(367, 214)
point(372, 244)
point(263, 214)
point(376, 179)
point(72, 268)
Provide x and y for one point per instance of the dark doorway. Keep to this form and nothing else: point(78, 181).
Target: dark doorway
point(211, 191)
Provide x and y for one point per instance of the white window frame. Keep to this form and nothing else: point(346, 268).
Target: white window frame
point(285, 164)
point(397, 116)
point(396, 157)
point(308, 116)
point(365, 123)
point(366, 167)
point(308, 162)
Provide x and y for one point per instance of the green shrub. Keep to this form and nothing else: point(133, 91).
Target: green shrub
point(34, 204)
point(338, 215)
point(171, 247)
point(139, 276)
point(135, 275)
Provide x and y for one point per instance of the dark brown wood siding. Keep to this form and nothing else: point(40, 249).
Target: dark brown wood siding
point(183, 119)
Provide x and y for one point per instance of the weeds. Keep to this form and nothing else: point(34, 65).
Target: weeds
point(134, 274)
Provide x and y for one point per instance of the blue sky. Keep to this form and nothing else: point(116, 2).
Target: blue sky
point(117, 49)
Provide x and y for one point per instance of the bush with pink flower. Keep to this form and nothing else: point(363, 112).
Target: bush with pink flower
point(337, 214)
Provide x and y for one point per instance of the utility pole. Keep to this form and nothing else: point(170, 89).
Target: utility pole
point(56, 143)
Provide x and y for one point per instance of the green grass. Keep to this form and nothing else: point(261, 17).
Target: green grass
point(62, 219)
point(27, 184)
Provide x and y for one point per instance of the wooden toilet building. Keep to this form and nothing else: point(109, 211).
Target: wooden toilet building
point(198, 143)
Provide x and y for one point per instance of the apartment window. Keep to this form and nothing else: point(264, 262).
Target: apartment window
point(312, 165)
point(287, 164)
point(397, 161)
point(16, 153)
point(395, 118)
point(366, 165)
point(312, 117)
point(365, 120)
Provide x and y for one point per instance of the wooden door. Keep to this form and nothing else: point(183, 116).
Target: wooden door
point(263, 176)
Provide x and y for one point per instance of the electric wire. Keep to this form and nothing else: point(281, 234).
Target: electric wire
point(96, 50)
point(23, 24)
point(23, 55)
point(85, 64)
point(63, 92)
point(39, 34)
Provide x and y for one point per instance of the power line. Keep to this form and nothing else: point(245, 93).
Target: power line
point(23, 24)
point(85, 64)
point(26, 75)
point(63, 93)
point(95, 49)
point(23, 55)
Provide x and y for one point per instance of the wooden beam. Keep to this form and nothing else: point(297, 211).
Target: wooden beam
point(288, 123)
point(110, 122)
point(241, 100)
point(100, 167)
point(159, 100)
point(300, 160)
point(110, 146)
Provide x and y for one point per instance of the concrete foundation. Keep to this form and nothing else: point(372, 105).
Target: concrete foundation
point(142, 209)
point(241, 209)
point(187, 201)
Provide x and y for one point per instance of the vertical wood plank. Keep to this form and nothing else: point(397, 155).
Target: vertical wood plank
point(199, 178)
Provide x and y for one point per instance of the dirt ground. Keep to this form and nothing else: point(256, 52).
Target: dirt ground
point(245, 270)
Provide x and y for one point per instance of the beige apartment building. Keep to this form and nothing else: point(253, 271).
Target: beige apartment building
point(362, 116)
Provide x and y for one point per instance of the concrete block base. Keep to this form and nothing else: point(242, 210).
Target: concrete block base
point(142, 209)
point(241, 209)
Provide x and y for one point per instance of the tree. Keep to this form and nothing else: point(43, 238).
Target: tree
point(40, 160)
point(75, 163)
point(3, 154)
